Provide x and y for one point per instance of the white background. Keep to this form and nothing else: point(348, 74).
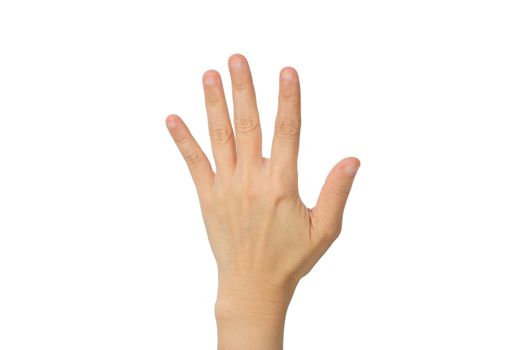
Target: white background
point(102, 244)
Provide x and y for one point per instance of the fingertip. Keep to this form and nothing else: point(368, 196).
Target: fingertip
point(212, 72)
point(288, 73)
point(350, 165)
point(235, 57)
point(172, 121)
point(237, 62)
point(355, 160)
point(210, 77)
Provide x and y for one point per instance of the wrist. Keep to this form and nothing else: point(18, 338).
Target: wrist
point(249, 297)
point(251, 313)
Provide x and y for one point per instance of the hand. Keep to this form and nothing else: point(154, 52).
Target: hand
point(263, 237)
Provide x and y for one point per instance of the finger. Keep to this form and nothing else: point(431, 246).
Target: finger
point(327, 215)
point(197, 162)
point(246, 116)
point(285, 145)
point(219, 125)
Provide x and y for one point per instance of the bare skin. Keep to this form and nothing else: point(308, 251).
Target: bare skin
point(263, 237)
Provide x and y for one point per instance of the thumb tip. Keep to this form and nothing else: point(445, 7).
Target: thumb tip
point(350, 165)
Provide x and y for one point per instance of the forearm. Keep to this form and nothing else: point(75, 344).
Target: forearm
point(251, 316)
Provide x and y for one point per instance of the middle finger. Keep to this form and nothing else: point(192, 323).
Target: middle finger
point(246, 115)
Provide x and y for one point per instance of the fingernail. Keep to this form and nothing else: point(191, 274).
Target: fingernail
point(287, 75)
point(237, 64)
point(171, 122)
point(351, 169)
point(210, 81)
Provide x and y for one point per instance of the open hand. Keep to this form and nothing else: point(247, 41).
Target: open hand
point(263, 237)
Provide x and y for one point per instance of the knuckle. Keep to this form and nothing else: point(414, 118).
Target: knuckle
point(182, 139)
point(246, 126)
point(289, 93)
point(341, 191)
point(240, 85)
point(287, 127)
point(281, 195)
point(278, 193)
point(213, 99)
point(330, 231)
point(333, 233)
point(220, 135)
point(282, 187)
point(193, 159)
point(336, 230)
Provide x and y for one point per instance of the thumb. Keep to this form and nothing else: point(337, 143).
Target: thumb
point(327, 215)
